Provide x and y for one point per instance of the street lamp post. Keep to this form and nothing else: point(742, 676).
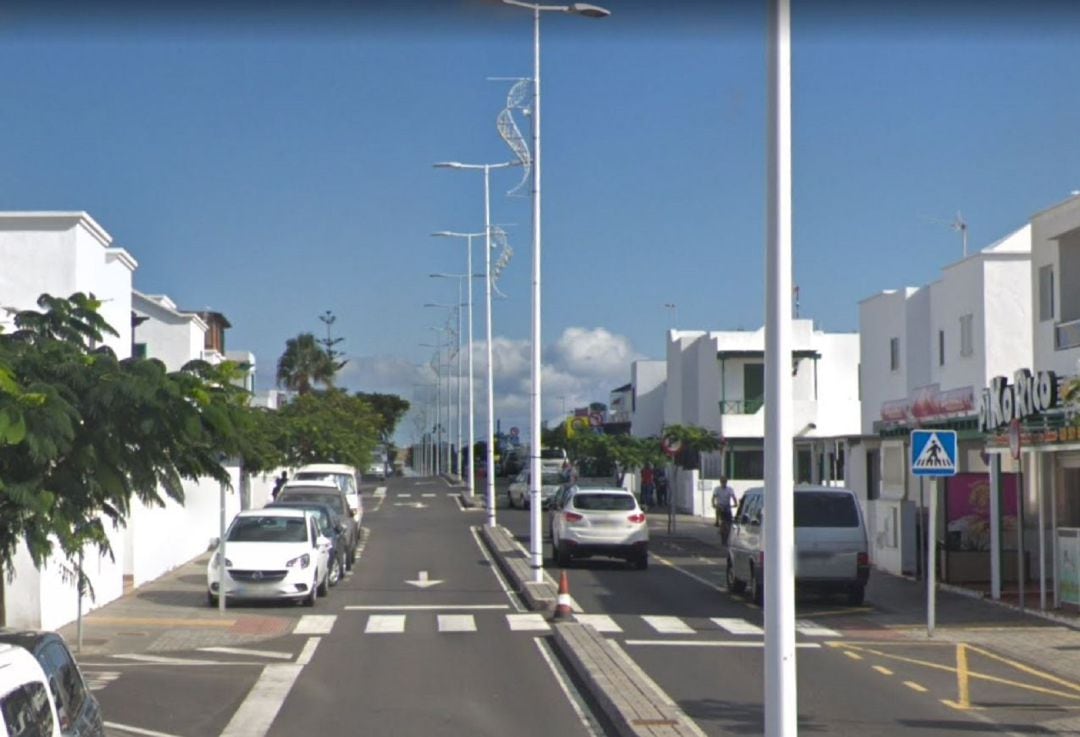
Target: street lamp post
point(588, 11)
point(438, 430)
point(457, 379)
point(490, 460)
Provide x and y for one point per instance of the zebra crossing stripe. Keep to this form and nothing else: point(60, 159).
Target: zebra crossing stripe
point(668, 625)
point(315, 624)
point(457, 623)
point(601, 622)
point(811, 628)
point(527, 623)
point(737, 626)
point(404, 496)
point(385, 624)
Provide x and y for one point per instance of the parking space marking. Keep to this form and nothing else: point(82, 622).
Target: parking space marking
point(385, 623)
point(315, 624)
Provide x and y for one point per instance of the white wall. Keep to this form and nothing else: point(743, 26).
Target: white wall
point(882, 317)
point(649, 381)
point(1046, 227)
point(172, 337)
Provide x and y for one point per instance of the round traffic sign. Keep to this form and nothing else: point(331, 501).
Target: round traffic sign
point(671, 446)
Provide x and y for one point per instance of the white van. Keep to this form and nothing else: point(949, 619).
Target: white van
point(27, 708)
point(344, 477)
point(830, 543)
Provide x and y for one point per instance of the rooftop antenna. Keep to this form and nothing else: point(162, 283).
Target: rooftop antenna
point(958, 224)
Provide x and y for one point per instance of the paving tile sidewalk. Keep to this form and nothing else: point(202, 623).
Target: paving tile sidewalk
point(171, 613)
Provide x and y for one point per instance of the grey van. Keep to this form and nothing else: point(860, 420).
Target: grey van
point(830, 543)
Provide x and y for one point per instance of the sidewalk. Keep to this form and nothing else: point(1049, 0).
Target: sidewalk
point(171, 613)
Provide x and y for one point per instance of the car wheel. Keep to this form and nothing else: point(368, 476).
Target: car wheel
point(856, 595)
point(309, 600)
point(333, 576)
point(734, 585)
point(757, 589)
point(211, 600)
point(323, 588)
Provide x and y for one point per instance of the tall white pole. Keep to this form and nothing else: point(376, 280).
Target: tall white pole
point(490, 467)
point(472, 398)
point(781, 704)
point(536, 550)
point(931, 560)
point(438, 411)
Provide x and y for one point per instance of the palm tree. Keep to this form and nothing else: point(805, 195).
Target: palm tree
point(305, 363)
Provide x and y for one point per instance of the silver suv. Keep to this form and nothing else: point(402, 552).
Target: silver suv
point(830, 543)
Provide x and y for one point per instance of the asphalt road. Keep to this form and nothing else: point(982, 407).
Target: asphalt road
point(858, 672)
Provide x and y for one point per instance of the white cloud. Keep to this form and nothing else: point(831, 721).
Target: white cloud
point(594, 352)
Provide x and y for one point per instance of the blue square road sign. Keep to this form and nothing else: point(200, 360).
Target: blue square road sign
point(933, 452)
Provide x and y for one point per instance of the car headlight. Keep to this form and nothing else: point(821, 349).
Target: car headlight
point(216, 561)
point(303, 561)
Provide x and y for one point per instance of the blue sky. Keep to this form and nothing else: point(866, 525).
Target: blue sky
point(275, 163)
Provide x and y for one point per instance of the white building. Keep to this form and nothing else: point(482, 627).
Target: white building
point(716, 380)
point(648, 382)
point(925, 354)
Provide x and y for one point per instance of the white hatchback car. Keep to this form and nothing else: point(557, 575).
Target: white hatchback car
point(26, 703)
point(550, 481)
point(599, 521)
point(272, 553)
point(830, 543)
point(345, 477)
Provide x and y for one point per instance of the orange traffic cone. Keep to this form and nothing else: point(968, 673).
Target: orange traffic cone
point(563, 610)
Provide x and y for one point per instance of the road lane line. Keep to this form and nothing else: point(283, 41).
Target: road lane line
point(718, 643)
point(385, 624)
point(495, 570)
point(241, 651)
point(258, 711)
point(404, 495)
point(429, 496)
point(577, 703)
point(456, 623)
point(883, 670)
point(811, 628)
point(915, 686)
point(315, 624)
point(421, 607)
point(162, 660)
point(601, 622)
point(308, 652)
point(685, 572)
point(137, 730)
point(668, 625)
point(738, 626)
point(852, 655)
point(530, 622)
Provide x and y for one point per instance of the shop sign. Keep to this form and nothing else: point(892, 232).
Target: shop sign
point(927, 404)
point(1070, 434)
point(1028, 395)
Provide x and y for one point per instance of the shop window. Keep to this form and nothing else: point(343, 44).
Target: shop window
point(894, 354)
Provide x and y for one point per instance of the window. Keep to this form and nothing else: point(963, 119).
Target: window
point(894, 354)
point(941, 348)
point(64, 678)
point(139, 350)
point(747, 464)
point(753, 387)
point(27, 712)
point(825, 509)
point(967, 339)
point(1046, 293)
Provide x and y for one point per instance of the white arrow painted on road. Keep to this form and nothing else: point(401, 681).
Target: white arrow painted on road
point(422, 581)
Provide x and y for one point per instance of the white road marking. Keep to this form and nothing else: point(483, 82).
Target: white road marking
point(716, 643)
point(95, 681)
point(422, 581)
point(811, 628)
point(685, 572)
point(495, 570)
point(421, 607)
point(530, 622)
point(380, 491)
point(308, 652)
point(136, 730)
point(404, 495)
point(737, 626)
point(258, 711)
point(429, 496)
point(577, 703)
point(315, 624)
point(601, 622)
point(161, 660)
point(668, 625)
point(456, 623)
point(385, 623)
point(254, 653)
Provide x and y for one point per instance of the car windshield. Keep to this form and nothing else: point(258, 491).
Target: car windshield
point(825, 509)
point(604, 502)
point(332, 500)
point(268, 530)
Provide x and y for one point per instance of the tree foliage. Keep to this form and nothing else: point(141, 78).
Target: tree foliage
point(304, 364)
point(327, 427)
point(390, 408)
point(84, 433)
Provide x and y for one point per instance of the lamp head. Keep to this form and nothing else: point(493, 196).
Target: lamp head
point(589, 11)
point(449, 165)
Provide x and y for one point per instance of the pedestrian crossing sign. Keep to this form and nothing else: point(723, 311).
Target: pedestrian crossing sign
point(933, 452)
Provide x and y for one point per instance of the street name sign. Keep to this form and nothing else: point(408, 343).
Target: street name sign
point(933, 452)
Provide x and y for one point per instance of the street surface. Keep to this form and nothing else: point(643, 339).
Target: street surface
point(424, 639)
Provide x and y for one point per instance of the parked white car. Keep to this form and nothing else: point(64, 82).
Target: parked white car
point(346, 477)
point(550, 481)
point(603, 521)
point(271, 554)
point(830, 543)
point(377, 469)
point(26, 703)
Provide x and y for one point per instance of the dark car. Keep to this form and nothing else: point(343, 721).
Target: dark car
point(331, 526)
point(334, 498)
point(79, 711)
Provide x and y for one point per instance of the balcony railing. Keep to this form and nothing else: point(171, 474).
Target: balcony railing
point(1067, 335)
point(740, 406)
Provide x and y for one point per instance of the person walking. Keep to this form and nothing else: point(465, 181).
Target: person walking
point(647, 486)
point(279, 482)
point(723, 501)
point(660, 481)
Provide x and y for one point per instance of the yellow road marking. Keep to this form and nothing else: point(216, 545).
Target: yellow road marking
point(1027, 669)
point(838, 612)
point(960, 707)
point(963, 689)
point(156, 622)
point(883, 670)
point(853, 656)
point(915, 686)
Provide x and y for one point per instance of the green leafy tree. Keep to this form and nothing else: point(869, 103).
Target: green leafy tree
point(327, 427)
point(390, 408)
point(695, 441)
point(304, 364)
point(86, 433)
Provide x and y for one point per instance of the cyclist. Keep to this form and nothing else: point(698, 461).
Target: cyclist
point(723, 500)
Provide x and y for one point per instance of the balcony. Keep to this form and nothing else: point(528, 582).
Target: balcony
point(1067, 335)
point(741, 406)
